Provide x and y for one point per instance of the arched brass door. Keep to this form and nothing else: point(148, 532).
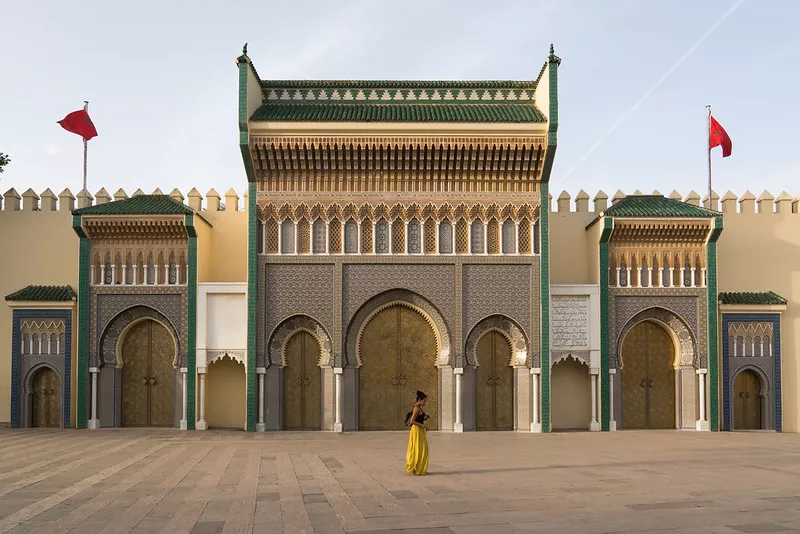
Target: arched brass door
point(148, 387)
point(747, 401)
point(301, 384)
point(648, 378)
point(398, 355)
point(46, 404)
point(494, 388)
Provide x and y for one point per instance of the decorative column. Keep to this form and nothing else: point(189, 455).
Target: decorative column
point(358, 225)
point(536, 425)
point(486, 237)
point(612, 424)
point(628, 277)
point(671, 277)
point(93, 423)
point(91, 275)
point(458, 426)
point(619, 274)
point(113, 274)
point(185, 393)
point(702, 423)
point(660, 277)
point(166, 274)
point(264, 235)
point(683, 277)
point(296, 237)
point(145, 268)
point(124, 274)
point(201, 424)
point(650, 276)
point(692, 284)
point(102, 274)
point(155, 274)
point(261, 426)
point(594, 426)
point(280, 237)
point(516, 237)
point(703, 277)
point(337, 422)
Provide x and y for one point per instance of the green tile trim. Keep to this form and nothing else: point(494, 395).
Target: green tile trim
point(252, 288)
point(82, 369)
point(138, 205)
point(43, 294)
point(766, 298)
point(544, 293)
point(713, 329)
point(552, 119)
point(605, 385)
point(398, 84)
point(191, 349)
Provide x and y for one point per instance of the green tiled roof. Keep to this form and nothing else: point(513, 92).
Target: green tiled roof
point(395, 84)
point(764, 298)
point(439, 112)
point(656, 206)
point(43, 293)
point(138, 205)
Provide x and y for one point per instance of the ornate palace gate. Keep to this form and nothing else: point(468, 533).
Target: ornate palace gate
point(302, 402)
point(648, 377)
point(148, 353)
point(398, 354)
point(494, 389)
point(46, 399)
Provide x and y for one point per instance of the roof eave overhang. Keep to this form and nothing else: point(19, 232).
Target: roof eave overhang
point(752, 308)
point(42, 304)
point(461, 129)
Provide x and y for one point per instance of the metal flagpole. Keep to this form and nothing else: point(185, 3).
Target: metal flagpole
point(708, 147)
point(86, 109)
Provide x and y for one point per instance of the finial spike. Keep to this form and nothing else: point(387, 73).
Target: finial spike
point(244, 49)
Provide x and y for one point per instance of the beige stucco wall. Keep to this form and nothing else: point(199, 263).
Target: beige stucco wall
point(222, 250)
point(761, 252)
point(38, 247)
point(570, 250)
point(226, 394)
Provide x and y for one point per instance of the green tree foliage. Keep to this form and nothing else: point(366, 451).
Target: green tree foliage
point(4, 160)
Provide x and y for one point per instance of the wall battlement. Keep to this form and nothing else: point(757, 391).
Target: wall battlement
point(66, 201)
point(747, 203)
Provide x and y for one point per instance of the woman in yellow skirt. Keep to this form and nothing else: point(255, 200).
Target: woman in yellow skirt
point(417, 454)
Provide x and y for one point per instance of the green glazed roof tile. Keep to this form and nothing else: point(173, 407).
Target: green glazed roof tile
point(346, 112)
point(138, 205)
point(656, 206)
point(44, 293)
point(763, 298)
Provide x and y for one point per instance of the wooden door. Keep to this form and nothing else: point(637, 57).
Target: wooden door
point(301, 384)
point(648, 378)
point(148, 386)
point(494, 388)
point(398, 356)
point(46, 405)
point(747, 401)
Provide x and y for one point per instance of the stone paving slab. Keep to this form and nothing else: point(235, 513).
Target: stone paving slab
point(154, 480)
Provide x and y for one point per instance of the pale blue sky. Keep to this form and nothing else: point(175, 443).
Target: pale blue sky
point(162, 84)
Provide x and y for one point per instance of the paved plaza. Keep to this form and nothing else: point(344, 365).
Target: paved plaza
point(131, 480)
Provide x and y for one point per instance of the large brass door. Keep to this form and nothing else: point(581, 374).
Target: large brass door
point(648, 378)
point(46, 404)
point(398, 356)
point(494, 388)
point(747, 401)
point(148, 384)
point(301, 384)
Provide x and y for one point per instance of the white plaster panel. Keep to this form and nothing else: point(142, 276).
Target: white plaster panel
point(226, 321)
point(569, 321)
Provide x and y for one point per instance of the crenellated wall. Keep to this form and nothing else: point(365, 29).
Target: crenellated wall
point(759, 250)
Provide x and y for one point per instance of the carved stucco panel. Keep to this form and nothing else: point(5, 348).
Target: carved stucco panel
point(569, 321)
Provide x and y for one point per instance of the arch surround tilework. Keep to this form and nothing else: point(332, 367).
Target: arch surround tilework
point(287, 328)
point(509, 329)
point(119, 325)
point(674, 324)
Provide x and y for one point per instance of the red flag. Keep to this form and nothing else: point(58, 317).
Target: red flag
point(78, 122)
point(718, 136)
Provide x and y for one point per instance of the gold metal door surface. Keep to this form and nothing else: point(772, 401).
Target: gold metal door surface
point(398, 355)
point(148, 380)
point(494, 389)
point(648, 378)
point(747, 401)
point(301, 384)
point(46, 405)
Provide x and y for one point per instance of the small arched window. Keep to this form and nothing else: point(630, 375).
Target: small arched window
point(445, 237)
point(477, 239)
point(382, 242)
point(319, 237)
point(287, 236)
point(414, 245)
point(351, 237)
point(509, 237)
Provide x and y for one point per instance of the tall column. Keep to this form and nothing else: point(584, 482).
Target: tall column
point(166, 274)
point(650, 277)
point(405, 244)
point(113, 274)
point(692, 284)
point(683, 277)
point(358, 225)
point(185, 395)
point(261, 426)
point(628, 280)
point(594, 426)
point(93, 423)
point(91, 275)
point(280, 237)
point(702, 423)
point(201, 424)
point(536, 425)
point(296, 238)
point(486, 237)
point(671, 277)
point(619, 279)
point(703, 277)
point(612, 424)
point(458, 426)
point(124, 274)
point(145, 268)
point(660, 277)
point(155, 274)
point(102, 274)
point(337, 422)
point(516, 237)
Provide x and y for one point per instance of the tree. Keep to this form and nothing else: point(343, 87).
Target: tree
point(4, 160)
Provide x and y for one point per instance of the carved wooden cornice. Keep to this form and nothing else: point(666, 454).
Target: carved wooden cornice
point(657, 232)
point(340, 163)
point(139, 227)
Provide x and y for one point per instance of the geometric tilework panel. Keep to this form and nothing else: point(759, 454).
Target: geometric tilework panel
point(294, 289)
point(105, 306)
point(108, 341)
point(23, 365)
point(685, 304)
point(497, 290)
point(767, 369)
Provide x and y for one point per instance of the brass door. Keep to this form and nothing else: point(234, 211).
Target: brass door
point(148, 386)
point(747, 401)
point(398, 355)
point(301, 384)
point(648, 378)
point(46, 404)
point(494, 388)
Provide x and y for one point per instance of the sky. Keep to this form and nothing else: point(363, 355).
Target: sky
point(633, 85)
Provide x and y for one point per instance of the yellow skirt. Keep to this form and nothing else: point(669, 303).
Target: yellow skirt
point(417, 455)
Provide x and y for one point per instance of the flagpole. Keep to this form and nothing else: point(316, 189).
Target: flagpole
point(85, 149)
point(708, 147)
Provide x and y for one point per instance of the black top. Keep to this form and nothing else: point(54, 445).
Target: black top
point(420, 418)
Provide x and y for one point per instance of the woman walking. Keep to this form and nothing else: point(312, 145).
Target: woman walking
point(417, 454)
